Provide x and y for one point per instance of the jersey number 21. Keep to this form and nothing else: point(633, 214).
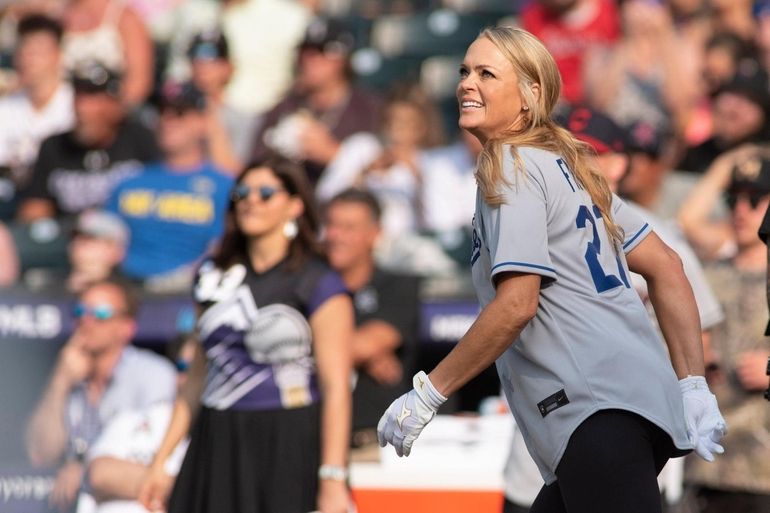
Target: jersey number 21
point(602, 280)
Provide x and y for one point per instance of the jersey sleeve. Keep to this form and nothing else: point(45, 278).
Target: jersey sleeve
point(329, 284)
point(635, 227)
point(516, 232)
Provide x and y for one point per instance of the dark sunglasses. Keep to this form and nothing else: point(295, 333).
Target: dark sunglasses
point(754, 198)
point(98, 312)
point(241, 192)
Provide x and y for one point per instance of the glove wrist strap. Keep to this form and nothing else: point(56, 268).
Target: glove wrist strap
point(427, 391)
point(693, 383)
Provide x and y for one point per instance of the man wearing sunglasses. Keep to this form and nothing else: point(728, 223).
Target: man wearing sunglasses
point(97, 375)
point(175, 208)
point(740, 479)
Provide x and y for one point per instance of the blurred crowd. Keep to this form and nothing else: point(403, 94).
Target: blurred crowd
point(125, 123)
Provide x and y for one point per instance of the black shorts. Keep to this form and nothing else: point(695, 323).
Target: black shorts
point(610, 465)
point(250, 462)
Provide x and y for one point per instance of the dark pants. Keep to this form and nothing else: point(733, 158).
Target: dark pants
point(610, 465)
point(510, 507)
point(717, 501)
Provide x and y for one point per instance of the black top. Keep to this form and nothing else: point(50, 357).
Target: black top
point(255, 329)
point(391, 298)
point(76, 177)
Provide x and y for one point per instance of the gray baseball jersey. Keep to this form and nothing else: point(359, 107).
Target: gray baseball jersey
point(591, 345)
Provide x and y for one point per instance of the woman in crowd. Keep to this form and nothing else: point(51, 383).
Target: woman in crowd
point(592, 388)
point(275, 326)
point(388, 164)
point(111, 33)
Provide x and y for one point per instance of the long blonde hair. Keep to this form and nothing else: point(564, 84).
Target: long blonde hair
point(533, 64)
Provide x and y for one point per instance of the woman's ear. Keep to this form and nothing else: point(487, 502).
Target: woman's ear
point(296, 208)
point(535, 88)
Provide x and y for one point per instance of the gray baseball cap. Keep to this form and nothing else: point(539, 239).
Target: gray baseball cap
point(102, 225)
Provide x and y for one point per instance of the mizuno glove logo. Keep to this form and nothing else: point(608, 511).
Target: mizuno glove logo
point(405, 412)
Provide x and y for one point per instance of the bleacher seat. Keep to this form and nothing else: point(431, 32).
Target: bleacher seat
point(440, 32)
point(439, 75)
point(376, 71)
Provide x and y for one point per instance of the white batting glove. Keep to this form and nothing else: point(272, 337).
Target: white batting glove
point(705, 424)
point(404, 419)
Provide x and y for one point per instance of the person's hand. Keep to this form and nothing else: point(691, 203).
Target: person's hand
point(751, 369)
point(333, 496)
point(155, 490)
point(385, 369)
point(75, 363)
point(317, 143)
point(705, 424)
point(406, 417)
point(66, 486)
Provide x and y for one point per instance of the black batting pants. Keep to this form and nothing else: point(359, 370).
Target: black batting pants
point(610, 465)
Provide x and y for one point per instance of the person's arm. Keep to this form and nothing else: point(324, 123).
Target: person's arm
point(373, 338)
point(705, 235)
point(497, 327)
point(156, 486)
point(220, 147)
point(674, 303)
point(37, 201)
point(34, 209)
point(47, 434)
point(138, 54)
point(116, 479)
point(332, 326)
point(9, 258)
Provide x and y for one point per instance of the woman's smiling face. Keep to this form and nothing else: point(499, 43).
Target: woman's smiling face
point(488, 93)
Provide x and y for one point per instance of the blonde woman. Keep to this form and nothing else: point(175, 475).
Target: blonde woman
point(275, 328)
point(591, 386)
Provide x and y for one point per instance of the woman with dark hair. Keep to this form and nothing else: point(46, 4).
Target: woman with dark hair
point(275, 325)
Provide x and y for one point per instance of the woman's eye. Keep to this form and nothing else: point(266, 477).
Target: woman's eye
point(486, 73)
point(463, 72)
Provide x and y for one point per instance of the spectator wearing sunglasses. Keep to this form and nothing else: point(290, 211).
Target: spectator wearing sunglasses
point(740, 480)
point(712, 216)
point(275, 324)
point(97, 375)
point(175, 208)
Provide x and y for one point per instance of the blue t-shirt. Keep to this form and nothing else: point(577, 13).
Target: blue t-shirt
point(173, 216)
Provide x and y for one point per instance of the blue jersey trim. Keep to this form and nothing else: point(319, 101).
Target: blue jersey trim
point(636, 236)
point(524, 264)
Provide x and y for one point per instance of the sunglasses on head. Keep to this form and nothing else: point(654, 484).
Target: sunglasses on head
point(98, 312)
point(754, 198)
point(241, 192)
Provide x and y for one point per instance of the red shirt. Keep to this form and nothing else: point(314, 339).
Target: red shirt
point(570, 41)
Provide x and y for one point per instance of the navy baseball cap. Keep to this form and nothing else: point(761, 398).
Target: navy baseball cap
point(751, 174)
point(209, 45)
point(94, 78)
point(644, 137)
point(752, 82)
point(597, 129)
point(181, 96)
point(329, 36)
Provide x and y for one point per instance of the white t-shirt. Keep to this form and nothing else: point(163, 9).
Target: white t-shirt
point(135, 436)
point(23, 128)
point(263, 36)
point(591, 345)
